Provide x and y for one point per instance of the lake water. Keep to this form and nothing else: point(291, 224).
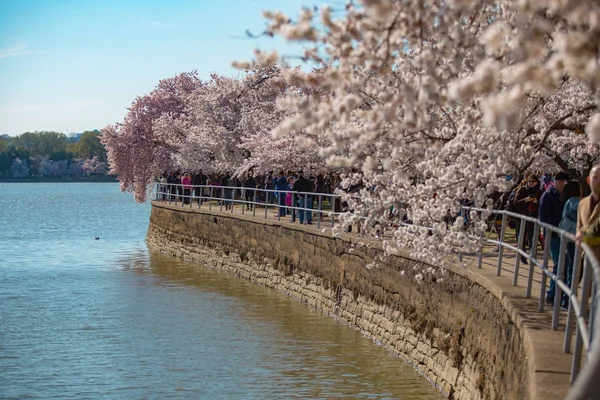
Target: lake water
point(105, 319)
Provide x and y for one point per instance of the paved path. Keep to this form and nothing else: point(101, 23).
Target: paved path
point(549, 366)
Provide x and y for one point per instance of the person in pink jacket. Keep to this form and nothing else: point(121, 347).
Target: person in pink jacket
point(186, 182)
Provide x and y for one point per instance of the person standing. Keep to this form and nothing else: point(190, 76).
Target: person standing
point(281, 185)
point(226, 184)
point(162, 187)
point(249, 188)
point(526, 203)
point(303, 186)
point(199, 180)
point(551, 211)
point(269, 185)
point(588, 213)
point(571, 196)
point(171, 185)
point(186, 184)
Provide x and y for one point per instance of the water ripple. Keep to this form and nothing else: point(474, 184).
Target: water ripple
point(88, 319)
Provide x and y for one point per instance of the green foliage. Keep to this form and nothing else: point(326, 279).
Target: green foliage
point(55, 145)
point(41, 143)
point(89, 146)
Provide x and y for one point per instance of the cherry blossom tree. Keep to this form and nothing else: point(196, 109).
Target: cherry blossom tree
point(49, 167)
point(136, 155)
point(430, 103)
point(93, 166)
point(228, 122)
point(19, 168)
point(209, 134)
point(436, 101)
point(75, 169)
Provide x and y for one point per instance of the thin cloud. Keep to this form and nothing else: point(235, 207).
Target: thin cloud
point(157, 25)
point(15, 52)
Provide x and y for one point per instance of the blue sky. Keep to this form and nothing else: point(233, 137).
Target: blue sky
point(75, 65)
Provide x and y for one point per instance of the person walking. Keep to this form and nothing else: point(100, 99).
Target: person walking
point(550, 212)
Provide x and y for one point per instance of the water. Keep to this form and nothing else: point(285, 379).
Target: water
point(88, 319)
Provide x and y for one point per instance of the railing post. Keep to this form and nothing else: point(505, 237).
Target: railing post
point(480, 252)
point(333, 210)
point(202, 197)
point(546, 258)
point(267, 194)
point(305, 209)
point(222, 197)
point(559, 276)
point(583, 308)
point(279, 205)
point(521, 240)
point(243, 200)
point(320, 211)
point(294, 212)
point(210, 200)
point(592, 315)
point(532, 256)
point(500, 246)
point(574, 289)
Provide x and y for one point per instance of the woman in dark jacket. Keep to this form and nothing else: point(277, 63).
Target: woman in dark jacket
point(527, 200)
point(250, 187)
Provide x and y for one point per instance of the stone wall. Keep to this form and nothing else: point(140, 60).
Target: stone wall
point(454, 332)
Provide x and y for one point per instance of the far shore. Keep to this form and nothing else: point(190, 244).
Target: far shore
point(58, 180)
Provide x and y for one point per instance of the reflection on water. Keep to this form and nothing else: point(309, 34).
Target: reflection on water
point(105, 319)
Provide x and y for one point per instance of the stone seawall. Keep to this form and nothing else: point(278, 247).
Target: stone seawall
point(454, 332)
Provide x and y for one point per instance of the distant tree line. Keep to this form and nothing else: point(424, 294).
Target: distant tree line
point(52, 154)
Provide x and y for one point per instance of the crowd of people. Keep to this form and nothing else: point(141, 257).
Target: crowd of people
point(276, 189)
point(561, 202)
point(556, 200)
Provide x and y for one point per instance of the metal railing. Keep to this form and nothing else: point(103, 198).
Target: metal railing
point(574, 278)
point(300, 206)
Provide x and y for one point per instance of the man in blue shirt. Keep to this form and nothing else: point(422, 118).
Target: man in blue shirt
point(550, 212)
